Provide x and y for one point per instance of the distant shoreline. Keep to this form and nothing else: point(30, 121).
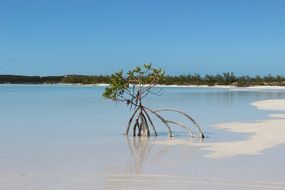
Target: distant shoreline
point(195, 80)
point(257, 87)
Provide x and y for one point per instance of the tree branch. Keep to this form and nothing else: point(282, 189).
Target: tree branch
point(163, 121)
point(130, 121)
point(186, 115)
point(150, 121)
point(181, 125)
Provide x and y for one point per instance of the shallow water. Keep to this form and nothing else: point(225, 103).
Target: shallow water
point(69, 137)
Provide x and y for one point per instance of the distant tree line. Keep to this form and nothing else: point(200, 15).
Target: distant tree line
point(225, 79)
point(18, 79)
point(190, 79)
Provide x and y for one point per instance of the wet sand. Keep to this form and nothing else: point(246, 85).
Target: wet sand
point(121, 182)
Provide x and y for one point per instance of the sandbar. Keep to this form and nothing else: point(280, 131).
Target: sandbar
point(263, 134)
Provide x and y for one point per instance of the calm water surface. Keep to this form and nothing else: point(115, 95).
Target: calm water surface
point(68, 131)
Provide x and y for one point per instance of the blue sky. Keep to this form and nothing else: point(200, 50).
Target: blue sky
point(54, 37)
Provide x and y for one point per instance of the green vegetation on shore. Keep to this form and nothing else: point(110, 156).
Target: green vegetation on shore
point(190, 79)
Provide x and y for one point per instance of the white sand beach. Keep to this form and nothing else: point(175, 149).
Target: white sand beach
point(206, 86)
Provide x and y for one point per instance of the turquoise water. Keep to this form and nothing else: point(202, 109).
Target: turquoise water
point(74, 111)
point(72, 129)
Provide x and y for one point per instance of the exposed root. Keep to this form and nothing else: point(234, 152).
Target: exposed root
point(143, 120)
point(187, 116)
point(130, 121)
point(162, 120)
point(150, 121)
point(181, 125)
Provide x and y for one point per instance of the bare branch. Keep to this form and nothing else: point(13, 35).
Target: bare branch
point(181, 125)
point(158, 93)
point(163, 121)
point(186, 115)
point(145, 122)
point(135, 127)
point(150, 121)
point(130, 121)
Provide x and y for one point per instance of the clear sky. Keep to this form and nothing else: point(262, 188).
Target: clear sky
point(54, 37)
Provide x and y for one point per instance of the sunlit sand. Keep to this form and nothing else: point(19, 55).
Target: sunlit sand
point(263, 134)
point(278, 105)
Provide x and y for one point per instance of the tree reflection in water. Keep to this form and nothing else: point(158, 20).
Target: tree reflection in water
point(140, 148)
